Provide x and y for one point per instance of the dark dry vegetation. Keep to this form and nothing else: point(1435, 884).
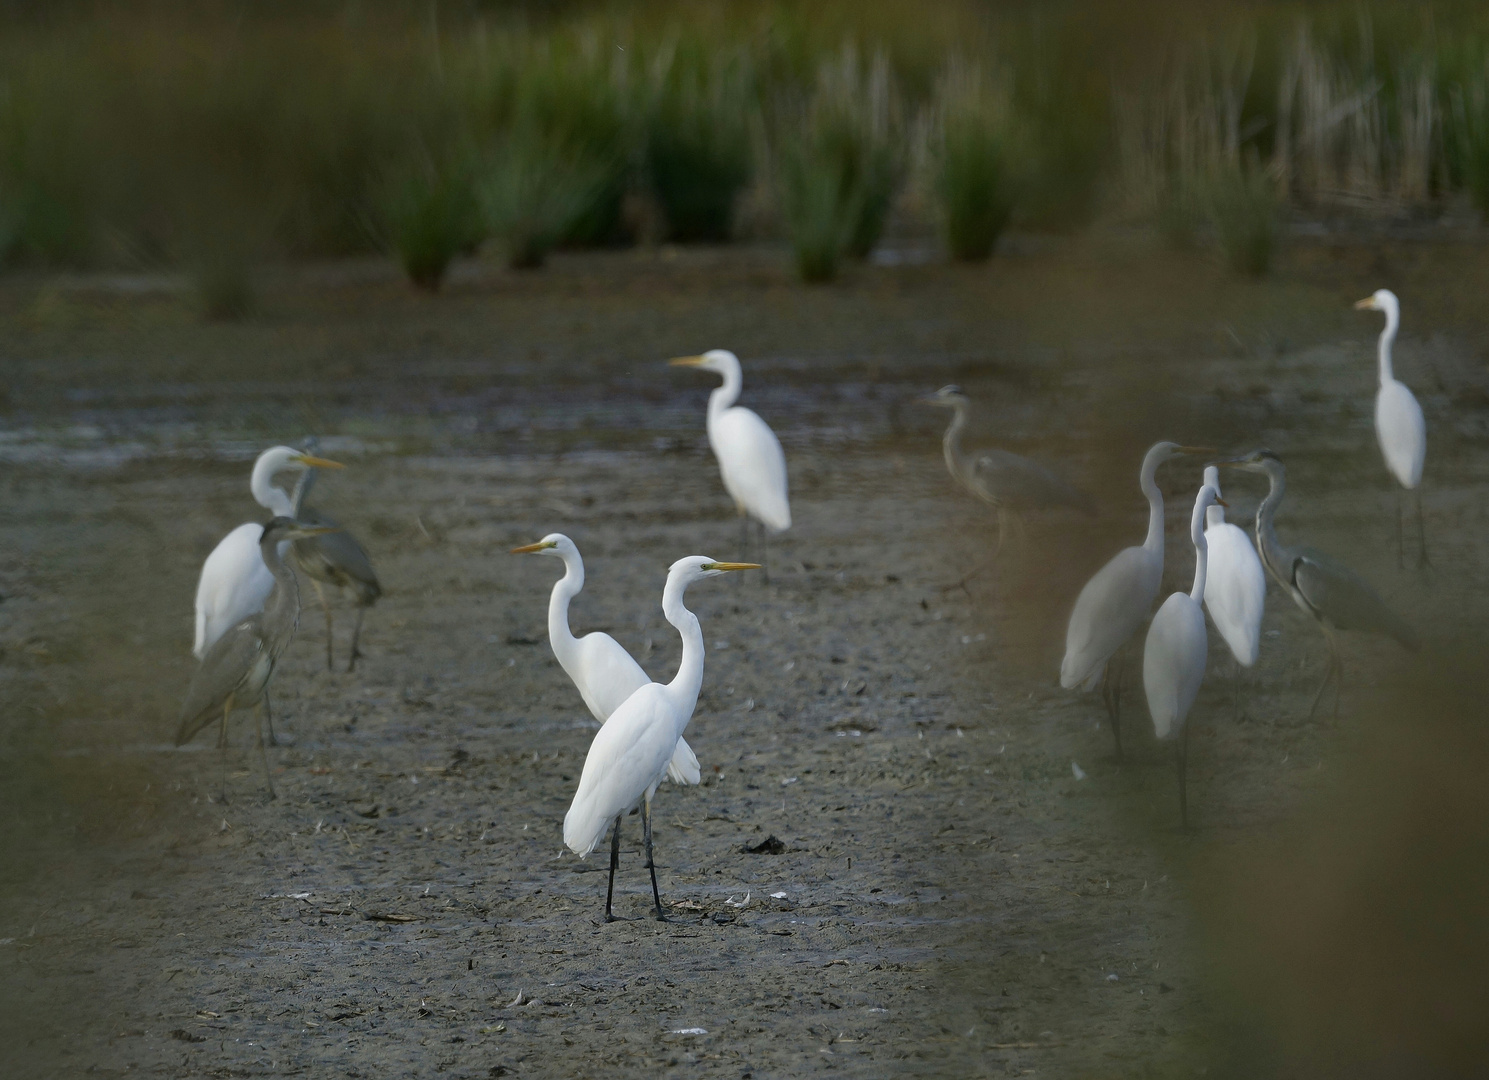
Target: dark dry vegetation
point(957, 903)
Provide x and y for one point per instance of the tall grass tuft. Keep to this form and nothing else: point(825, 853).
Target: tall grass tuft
point(1470, 137)
point(532, 193)
point(699, 145)
point(428, 214)
point(1242, 202)
point(973, 149)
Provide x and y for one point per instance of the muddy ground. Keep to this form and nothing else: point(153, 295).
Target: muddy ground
point(956, 901)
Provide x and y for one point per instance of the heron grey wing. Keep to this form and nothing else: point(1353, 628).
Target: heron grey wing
point(1345, 599)
point(336, 557)
point(221, 672)
point(1022, 484)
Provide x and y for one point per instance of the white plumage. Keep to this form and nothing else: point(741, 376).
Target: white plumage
point(1399, 425)
point(601, 669)
point(235, 582)
point(751, 461)
point(1236, 583)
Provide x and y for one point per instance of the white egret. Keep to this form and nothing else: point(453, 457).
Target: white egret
point(235, 582)
point(1175, 650)
point(1117, 599)
point(1332, 594)
point(751, 461)
point(1399, 425)
point(1236, 585)
point(235, 672)
point(334, 558)
point(1010, 484)
point(634, 749)
point(604, 673)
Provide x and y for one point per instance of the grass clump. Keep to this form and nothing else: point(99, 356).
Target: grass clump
point(1243, 203)
point(532, 193)
point(428, 215)
point(1470, 138)
point(973, 152)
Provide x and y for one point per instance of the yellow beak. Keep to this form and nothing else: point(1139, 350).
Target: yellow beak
point(1367, 304)
point(317, 462)
point(319, 530)
point(731, 566)
point(1196, 450)
point(528, 549)
point(685, 361)
point(1221, 502)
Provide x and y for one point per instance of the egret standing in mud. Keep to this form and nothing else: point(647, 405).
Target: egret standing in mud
point(235, 582)
point(1175, 651)
point(1332, 594)
point(236, 671)
point(1010, 484)
point(335, 558)
point(603, 672)
point(1117, 599)
point(1399, 425)
point(635, 747)
point(751, 461)
point(1235, 585)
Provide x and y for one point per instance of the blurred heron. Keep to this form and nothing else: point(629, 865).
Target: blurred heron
point(1010, 484)
point(236, 671)
point(1117, 599)
point(1332, 594)
point(333, 557)
point(1400, 427)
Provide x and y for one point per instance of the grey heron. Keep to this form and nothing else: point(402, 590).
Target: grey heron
point(235, 672)
point(1332, 594)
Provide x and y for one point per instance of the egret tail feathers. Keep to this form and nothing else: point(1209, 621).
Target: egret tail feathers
point(684, 768)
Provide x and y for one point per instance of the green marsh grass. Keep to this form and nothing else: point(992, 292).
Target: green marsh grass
point(973, 160)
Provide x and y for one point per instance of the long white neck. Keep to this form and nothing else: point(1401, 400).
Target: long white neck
point(688, 681)
point(727, 394)
point(1154, 542)
point(951, 442)
point(271, 498)
point(1387, 337)
point(560, 638)
point(1201, 551)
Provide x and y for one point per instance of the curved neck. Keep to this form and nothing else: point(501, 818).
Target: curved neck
point(1154, 542)
point(688, 681)
point(1266, 536)
point(302, 489)
point(1214, 515)
point(1387, 337)
point(727, 394)
point(265, 493)
point(951, 442)
point(560, 638)
point(1201, 553)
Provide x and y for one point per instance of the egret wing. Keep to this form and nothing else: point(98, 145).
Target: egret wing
point(223, 671)
point(1019, 483)
point(752, 464)
point(1235, 590)
point(1402, 432)
point(684, 768)
point(1109, 610)
point(1346, 600)
point(628, 757)
point(607, 675)
point(234, 584)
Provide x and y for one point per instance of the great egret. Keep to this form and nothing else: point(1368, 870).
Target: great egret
point(1175, 650)
point(751, 461)
point(334, 558)
point(1399, 425)
point(1236, 585)
point(604, 673)
point(235, 582)
point(1331, 593)
point(634, 749)
point(236, 671)
point(1010, 484)
point(1118, 598)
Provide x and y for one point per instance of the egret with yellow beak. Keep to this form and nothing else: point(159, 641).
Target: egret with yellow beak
point(1400, 427)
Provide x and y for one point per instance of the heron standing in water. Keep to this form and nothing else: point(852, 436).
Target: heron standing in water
point(1332, 594)
point(334, 557)
point(235, 672)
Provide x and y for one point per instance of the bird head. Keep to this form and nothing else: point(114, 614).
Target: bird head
point(282, 528)
point(697, 567)
point(949, 396)
point(719, 361)
point(1167, 450)
point(552, 544)
point(1380, 300)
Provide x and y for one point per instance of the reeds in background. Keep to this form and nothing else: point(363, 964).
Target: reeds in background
point(428, 214)
point(973, 158)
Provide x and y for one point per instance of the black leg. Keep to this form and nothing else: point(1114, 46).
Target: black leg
point(1422, 559)
point(614, 862)
point(269, 716)
point(650, 864)
point(1111, 694)
point(351, 664)
point(1400, 543)
point(1181, 760)
point(744, 536)
point(1236, 689)
point(263, 754)
point(326, 608)
point(764, 555)
point(222, 744)
point(1330, 673)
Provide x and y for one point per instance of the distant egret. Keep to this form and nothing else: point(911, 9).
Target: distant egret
point(1331, 593)
point(634, 749)
point(235, 582)
point(1399, 425)
point(1117, 599)
point(236, 671)
point(1010, 484)
point(751, 461)
point(1236, 584)
point(1175, 650)
point(334, 558)
point(602, 670)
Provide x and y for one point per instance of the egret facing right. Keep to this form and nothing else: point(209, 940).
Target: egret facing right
point(634, 749)
point(1399, 425)
point(1175, 652)
point(1117, 599)
point(751, 461)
